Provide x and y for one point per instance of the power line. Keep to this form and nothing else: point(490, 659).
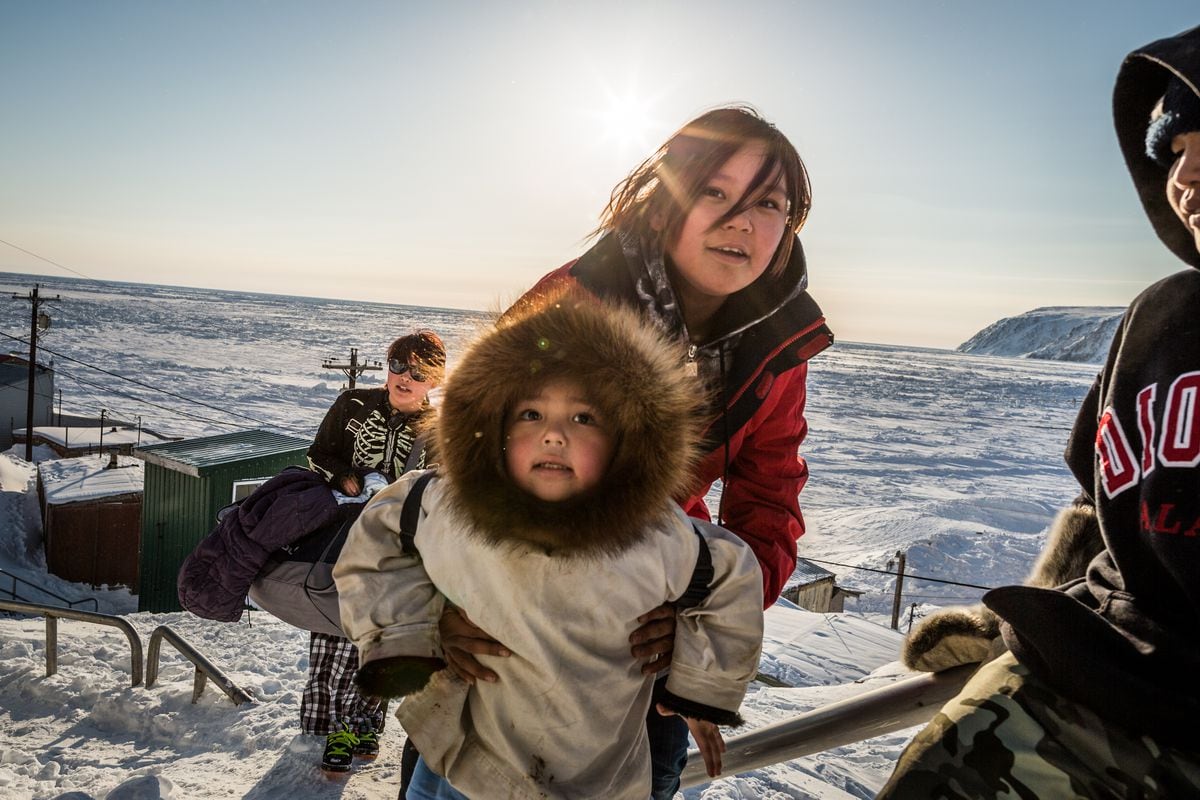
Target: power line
point(156, 405)
point(906, 575)
point(938, 597)
point(134, 381)
point(47, 260)
point(153, 388)
point(143, 384)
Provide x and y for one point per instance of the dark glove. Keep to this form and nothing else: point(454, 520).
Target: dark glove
point(398, 676)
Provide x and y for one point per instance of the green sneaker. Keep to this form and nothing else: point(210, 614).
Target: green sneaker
point(339, 750)
point(367, 746)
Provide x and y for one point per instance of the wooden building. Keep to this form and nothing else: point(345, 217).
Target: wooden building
point(814, 588)
point(92, 518)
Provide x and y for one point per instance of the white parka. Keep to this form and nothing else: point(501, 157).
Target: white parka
point(567, 716)
point(562, 591)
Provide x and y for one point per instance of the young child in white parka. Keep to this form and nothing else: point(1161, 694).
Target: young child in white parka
point(563, 435)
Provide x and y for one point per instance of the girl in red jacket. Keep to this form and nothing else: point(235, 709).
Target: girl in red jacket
point(702, 239)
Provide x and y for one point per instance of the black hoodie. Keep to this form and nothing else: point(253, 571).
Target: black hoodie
point(1125, 639)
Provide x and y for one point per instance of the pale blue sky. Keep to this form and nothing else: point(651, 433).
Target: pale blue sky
point(450, 153)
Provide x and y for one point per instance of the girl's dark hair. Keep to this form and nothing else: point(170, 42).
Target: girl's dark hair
point(654, 200)
point(425, 346)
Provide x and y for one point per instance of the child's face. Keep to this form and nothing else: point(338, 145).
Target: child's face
point(713, 263)
point(1183, 182)
point(556, 444)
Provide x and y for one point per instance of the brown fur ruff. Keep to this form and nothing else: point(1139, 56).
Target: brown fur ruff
point(628, 371)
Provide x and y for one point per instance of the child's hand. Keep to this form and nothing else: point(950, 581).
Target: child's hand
point(462, 640)
point(655, 639)
point(708, 740)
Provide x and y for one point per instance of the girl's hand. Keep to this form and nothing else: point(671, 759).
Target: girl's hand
point(655, 639)
point(708, 740)
point(462, 640)
point(351, 486)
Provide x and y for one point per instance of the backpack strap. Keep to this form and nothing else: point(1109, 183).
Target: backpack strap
point(410, 514)
point(415, 453)
point(702, 576)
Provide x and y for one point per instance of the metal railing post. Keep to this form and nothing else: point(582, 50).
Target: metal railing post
point(53, 614)
point(51, 645)
point(204, 668)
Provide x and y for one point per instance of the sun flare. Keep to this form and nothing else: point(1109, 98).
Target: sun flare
point(628, 121)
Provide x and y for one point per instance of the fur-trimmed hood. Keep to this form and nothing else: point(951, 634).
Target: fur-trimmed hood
point(633, 376)
point(1140, 85)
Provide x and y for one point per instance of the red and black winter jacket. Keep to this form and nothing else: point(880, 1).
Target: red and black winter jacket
point(754, 445)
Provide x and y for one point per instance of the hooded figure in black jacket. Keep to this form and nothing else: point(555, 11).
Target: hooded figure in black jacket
point(1099, 695)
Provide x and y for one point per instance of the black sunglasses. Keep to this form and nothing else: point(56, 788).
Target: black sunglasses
point(398, 367)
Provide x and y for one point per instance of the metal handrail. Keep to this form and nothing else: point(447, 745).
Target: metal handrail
point(909, 702)
point(52, 615)
point(44, 590)
point(205, 669)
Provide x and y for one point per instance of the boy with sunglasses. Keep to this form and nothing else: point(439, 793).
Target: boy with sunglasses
point(366, 431)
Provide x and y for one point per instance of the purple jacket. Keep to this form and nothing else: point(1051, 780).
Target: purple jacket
point(214, 579)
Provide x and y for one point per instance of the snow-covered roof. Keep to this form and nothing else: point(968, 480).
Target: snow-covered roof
point(70, 480)
point(73, 436)
point(198, 456)
point(808, 572)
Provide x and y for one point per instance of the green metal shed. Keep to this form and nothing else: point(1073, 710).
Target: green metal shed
point(187, 483)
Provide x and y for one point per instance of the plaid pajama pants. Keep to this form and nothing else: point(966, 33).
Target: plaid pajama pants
point(330, 696)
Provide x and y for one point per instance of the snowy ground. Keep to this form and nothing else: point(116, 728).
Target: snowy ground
point(954, 459)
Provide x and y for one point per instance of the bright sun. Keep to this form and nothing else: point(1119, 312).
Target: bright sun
point(628, 120)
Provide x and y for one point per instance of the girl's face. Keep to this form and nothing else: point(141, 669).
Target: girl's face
point(1183, 182)
point(712, 263)
point(556, 444)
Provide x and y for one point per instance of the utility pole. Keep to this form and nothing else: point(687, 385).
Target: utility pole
point(104, 412)
point(353, 369)
point(899, 584)
point(37, 321)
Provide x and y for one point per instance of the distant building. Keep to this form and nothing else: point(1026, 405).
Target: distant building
point(92, 518)
point(14, 396)
point(814, 588)
point(87, 437)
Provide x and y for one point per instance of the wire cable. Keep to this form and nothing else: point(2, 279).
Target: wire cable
point(153, 388)
point(906, 575)
point(156, 405)
point(48, 261)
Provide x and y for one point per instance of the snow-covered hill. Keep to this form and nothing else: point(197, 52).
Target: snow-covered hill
point(1057, 333)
